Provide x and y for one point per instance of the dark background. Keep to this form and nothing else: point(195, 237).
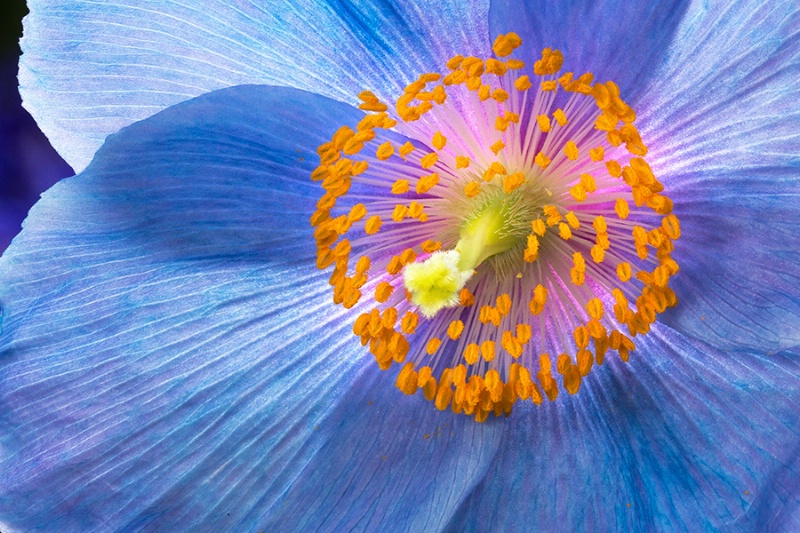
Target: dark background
point(28, 164)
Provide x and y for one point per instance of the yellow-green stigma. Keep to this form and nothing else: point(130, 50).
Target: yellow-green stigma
point(436, 282)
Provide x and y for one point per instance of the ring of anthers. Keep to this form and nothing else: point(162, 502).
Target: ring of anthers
point(525, 237)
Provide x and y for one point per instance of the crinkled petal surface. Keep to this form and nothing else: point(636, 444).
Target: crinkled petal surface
point(405, 465)
point(683, 438)
point(618, 40)
point(723, 124)
point(170, 358)
point(90, 68)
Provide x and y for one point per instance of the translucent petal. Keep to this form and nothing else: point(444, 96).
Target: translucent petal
point(90, 68)
point(167, 346)
point(726, 99)
point(684, 438)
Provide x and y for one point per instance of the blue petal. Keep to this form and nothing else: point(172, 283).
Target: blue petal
point(739, 284)
point(684, 438)
point(90, 68)
point(167, 346)
point(616, 40)
point(389, 463)
point(723, 126)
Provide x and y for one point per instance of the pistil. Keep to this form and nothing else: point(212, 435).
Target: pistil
point(436, 282)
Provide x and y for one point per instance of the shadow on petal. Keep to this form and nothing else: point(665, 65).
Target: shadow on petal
point(168, 345)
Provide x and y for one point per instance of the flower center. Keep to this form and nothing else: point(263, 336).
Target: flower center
point(494, 219)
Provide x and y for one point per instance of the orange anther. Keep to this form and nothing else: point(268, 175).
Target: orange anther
point(542, 160)
point(373, 225)
point(581, 335)
point(622, 209)
point(439, 140)
point(624, 271)
point(503, 303)
point(472, 188)
point(426, 183)
point(487, 350)
point(405, 149)
point(550, 63)
point(471, 353)
point(399, 213)
point(544, 123)
point(383, 291)
point(523, 83)
point(466, 298)
point(524, 333)
point(433, 345)
point(430, 246)
point(455, 329)
point(429, 160)
point(571, 150)
point(513, 182)
point(384, 151)
point(400, 186)
point(504, 45)
point(671, 226)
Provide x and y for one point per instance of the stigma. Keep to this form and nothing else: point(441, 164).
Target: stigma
point(499, 229)
point(436, 282)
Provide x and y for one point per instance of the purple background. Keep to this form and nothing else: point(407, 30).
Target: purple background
point(28, 164)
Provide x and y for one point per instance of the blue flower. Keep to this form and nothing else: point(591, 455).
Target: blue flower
point(170, 358)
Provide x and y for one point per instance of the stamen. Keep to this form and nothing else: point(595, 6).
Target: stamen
point(495, 229)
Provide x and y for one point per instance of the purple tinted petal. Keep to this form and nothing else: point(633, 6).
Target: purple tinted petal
point(616, 40)
point(723, 126)
point(739, 284)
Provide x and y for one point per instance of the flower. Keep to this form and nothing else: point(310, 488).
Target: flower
point(170, 357)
